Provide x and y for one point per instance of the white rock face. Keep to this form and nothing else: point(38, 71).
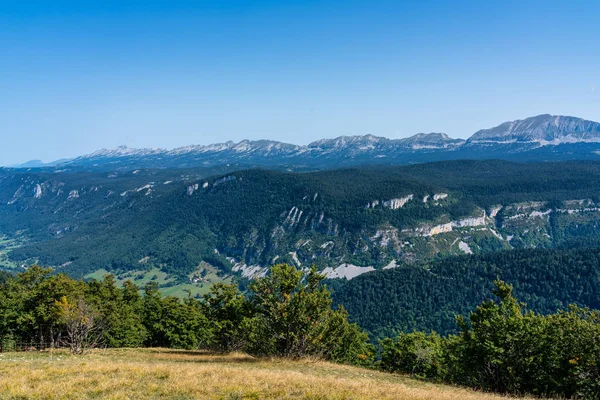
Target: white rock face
point(479, 221)
point(435, 230)
point(148, 186)
point(391, 265)
point(250, 271)
point(192, 189)
point(295, 258)
point(448, 227)
point(440, 196)
point(535, 214)
point(425, 199)
point(494, 211)
point(395, 204)
point(293, 216)
point(73, 194)
point(372, 204)
point(385, 237)
point(37, 191)
point(464, 247)
point(347, 271)
point(204, 185)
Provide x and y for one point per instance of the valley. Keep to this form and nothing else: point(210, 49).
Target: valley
point(208, 256)
point(345, 221)
point(299, 200)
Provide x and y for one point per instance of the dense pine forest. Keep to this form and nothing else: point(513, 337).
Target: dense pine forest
point(428, 296)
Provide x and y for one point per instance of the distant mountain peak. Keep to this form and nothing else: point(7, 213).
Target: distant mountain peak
point(123, 151)
point(543, 129)
point(433, 140)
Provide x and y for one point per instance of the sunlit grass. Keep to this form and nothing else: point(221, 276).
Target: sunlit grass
point(170, 374)
point(169, 287)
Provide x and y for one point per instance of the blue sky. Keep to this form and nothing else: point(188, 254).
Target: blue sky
point(76, 76)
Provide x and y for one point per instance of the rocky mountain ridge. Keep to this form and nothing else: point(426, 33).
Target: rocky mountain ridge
point(540, 138)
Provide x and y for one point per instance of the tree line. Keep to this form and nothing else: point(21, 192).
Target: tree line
point(287, 314)
point(500, 347)
point(427, 296)
point(503, 347)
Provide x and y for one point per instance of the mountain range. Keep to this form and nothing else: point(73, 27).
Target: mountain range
point(405, 247)
point(540, 138)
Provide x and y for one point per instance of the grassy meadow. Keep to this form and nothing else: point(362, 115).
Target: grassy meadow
point(169, 286)
point(173, 374)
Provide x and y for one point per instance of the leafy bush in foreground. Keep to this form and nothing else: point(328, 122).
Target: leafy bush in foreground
point(505, 349)
point(501, 347)
point(287, 314)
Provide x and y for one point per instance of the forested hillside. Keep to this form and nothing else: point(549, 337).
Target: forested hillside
point(428, 296)
point(347, 222)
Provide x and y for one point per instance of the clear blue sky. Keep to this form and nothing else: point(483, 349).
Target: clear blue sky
point(76, 76)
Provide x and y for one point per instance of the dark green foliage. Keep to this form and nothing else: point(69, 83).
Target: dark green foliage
point(121, 309)
point(173, 323)
point(427, 297)
point(228, 310)
point(288, 315)
point(416, 353)
point(504, 348)
point(237, 217)
point(294, 319)
point(27, 304)
point(183, 325)
point(4, 276)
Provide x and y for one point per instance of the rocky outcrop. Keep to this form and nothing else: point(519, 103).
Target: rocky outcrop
point(37, 191)
point(543, 129)
point(395, 204)
point(347, 271)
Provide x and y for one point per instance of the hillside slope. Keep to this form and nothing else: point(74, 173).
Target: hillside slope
point(347, 222)
point(171, 374)
point(428, 296)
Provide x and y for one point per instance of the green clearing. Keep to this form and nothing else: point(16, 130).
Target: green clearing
point(6, 246)
point(205, 275)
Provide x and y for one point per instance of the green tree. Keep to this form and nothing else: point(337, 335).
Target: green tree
point(294, 317)
point(228, 311)
point(121, 311)
point(416, 353)
point(172, 323)
point(27, 304)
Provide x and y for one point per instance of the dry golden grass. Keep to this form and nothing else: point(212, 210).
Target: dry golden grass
point(169, 374)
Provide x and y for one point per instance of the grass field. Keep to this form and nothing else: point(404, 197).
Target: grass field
point(6, 245)
point(171, 288)
point(171, 374)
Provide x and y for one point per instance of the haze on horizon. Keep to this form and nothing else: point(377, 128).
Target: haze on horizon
point(79, 76)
